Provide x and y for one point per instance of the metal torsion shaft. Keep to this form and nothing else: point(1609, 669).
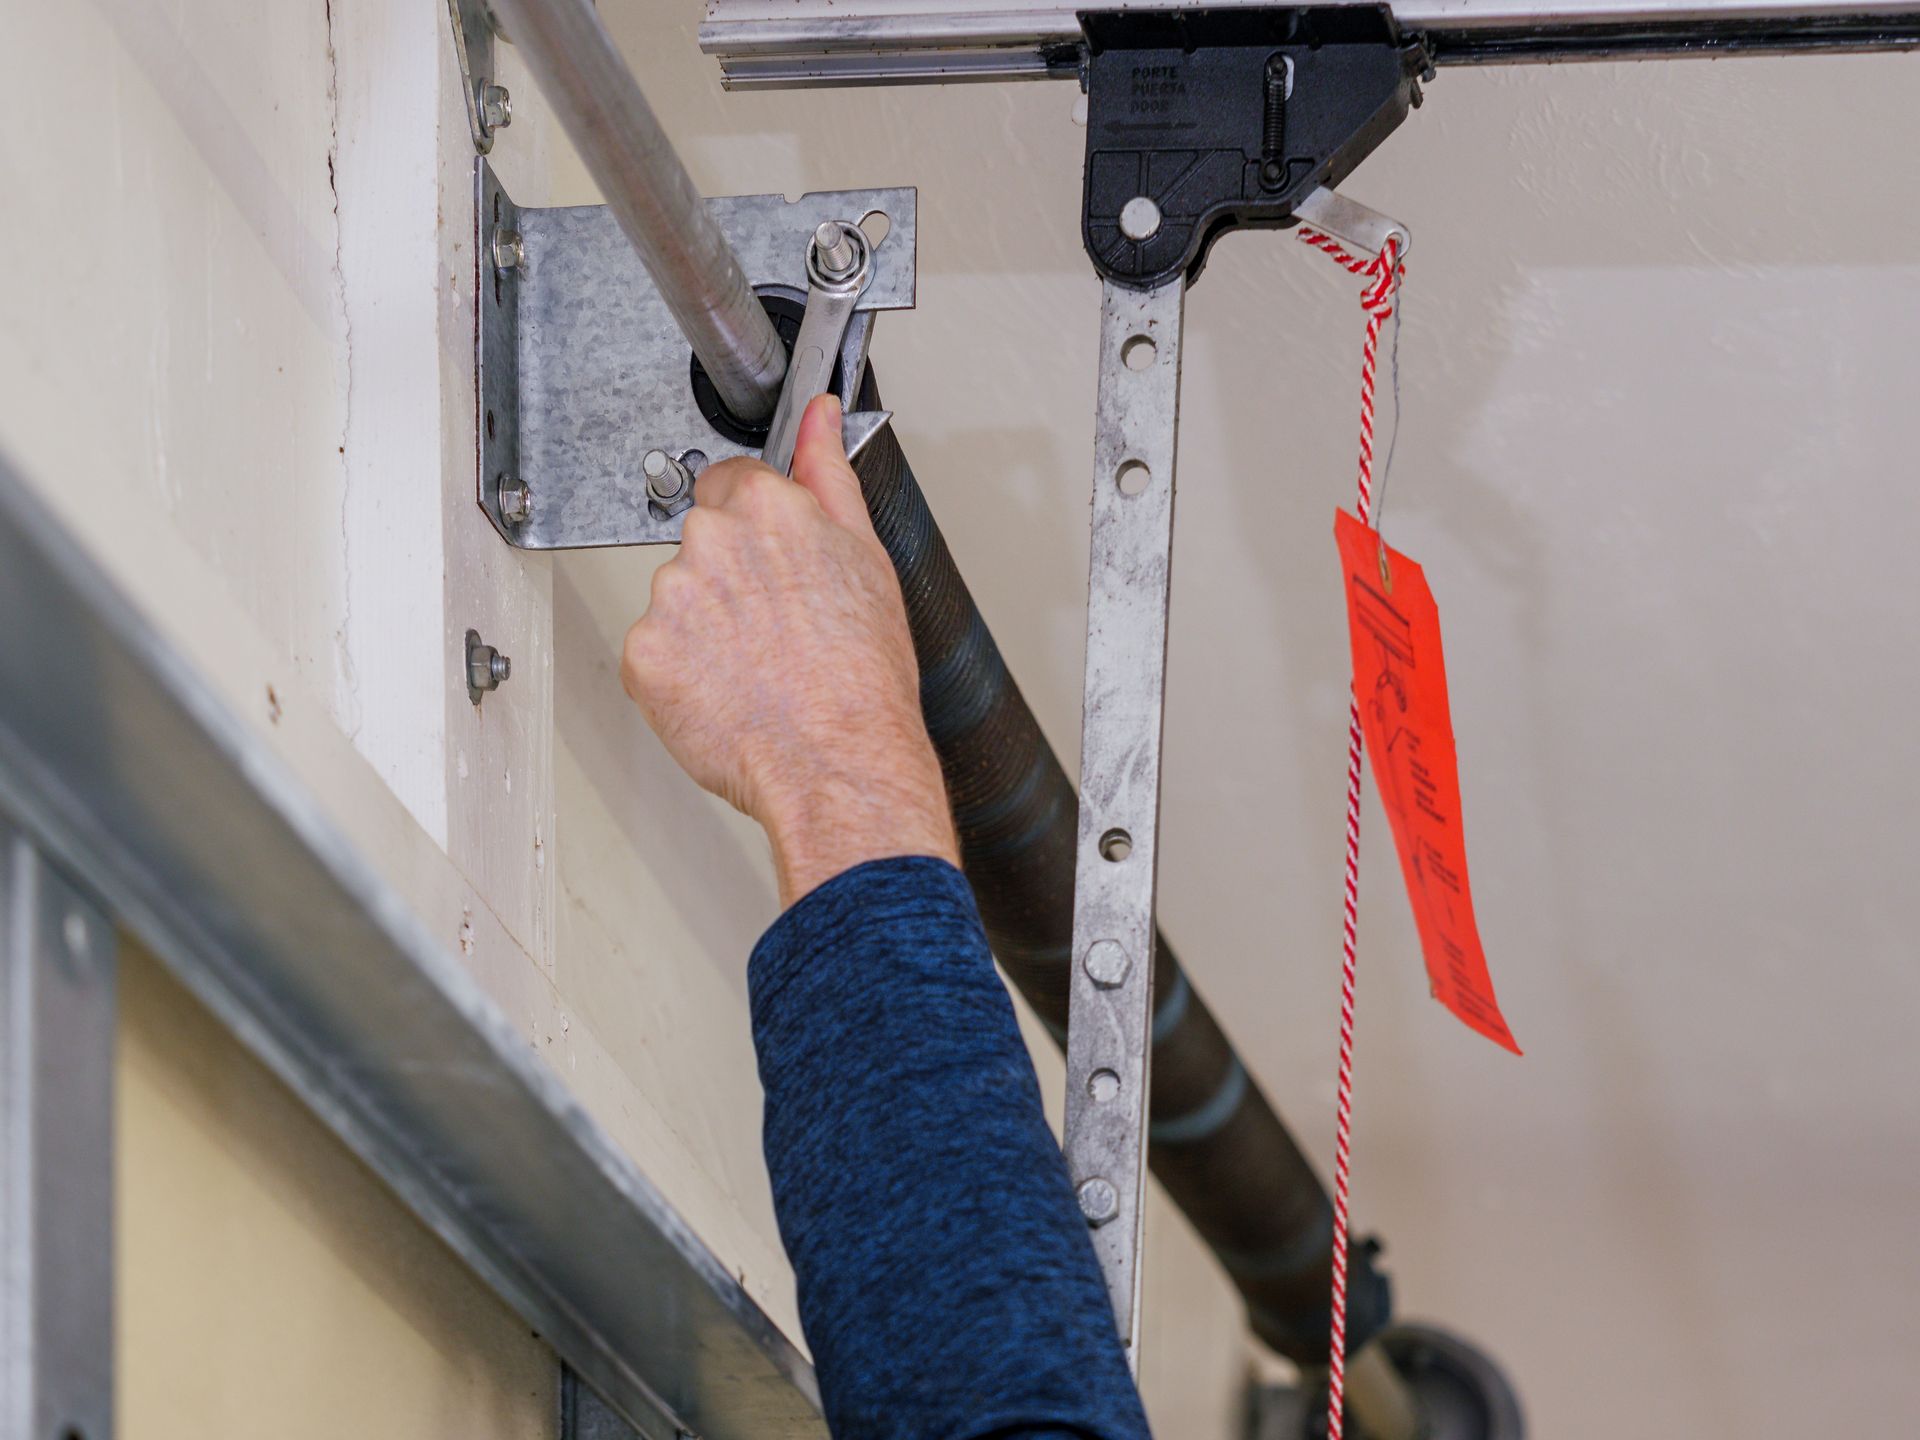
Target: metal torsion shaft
point(1215, 1142)
point(607, 118)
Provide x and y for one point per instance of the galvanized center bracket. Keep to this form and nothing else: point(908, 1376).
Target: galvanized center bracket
point(590, 431)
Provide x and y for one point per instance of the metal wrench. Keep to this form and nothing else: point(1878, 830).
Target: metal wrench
point(839, 265)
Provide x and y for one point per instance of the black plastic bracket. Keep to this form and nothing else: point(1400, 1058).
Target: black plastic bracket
point(1225, 120)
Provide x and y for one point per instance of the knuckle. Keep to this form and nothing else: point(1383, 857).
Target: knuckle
point(636, 657)
point(669, 581)
point(696, 530)
point(718, 481)
point(756, 487)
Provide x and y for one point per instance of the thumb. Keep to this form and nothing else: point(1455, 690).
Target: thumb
point(821, 467)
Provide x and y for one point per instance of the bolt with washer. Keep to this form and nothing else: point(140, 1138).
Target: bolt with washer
point(834, 248)
point(669, 481)
point(1099, 1201)
point(509, 250)
point(515, 498)
point(1107, 964)
point(1140, 219)
point(487, 668)
point(496, 108)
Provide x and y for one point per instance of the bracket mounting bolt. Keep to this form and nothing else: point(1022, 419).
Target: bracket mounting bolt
point(509, 251)
point(835, 251)
point(487, 668)
point(669, 481)
point(1107, 964)
point(496, 108)
point(1099, 1201)
point(515, 498)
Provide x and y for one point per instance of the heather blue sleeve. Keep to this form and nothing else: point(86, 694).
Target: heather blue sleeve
point(946, 1282)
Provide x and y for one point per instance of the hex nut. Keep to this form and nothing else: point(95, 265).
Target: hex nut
point(669, 481)
point(1107, 964)
point(1099, 1201)
point(509, 250)
point(487, 668)
point(834, 249)
point(515, 498)
point(496, 108)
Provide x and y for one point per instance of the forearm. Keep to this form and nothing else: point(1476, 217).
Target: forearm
point(891, 803)
point(946, 1283)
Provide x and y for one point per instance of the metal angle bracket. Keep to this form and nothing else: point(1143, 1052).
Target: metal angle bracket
point(593, 421)
point(1202, 122)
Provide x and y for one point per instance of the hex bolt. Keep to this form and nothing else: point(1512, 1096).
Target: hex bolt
point(1140, 219)
point(1099, 1201)
point(487, 668)
point(496, 108)
point(515, 498)
point(1107, 964)
point(509, 251)
point(669, 482)
point(835, 250)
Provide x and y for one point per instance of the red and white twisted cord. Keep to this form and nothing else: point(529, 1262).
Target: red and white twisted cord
point(1385, 271)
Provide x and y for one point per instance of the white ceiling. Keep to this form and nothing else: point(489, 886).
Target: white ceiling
point(1658, 459)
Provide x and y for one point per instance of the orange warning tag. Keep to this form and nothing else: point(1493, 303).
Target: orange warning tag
point(1400, 681)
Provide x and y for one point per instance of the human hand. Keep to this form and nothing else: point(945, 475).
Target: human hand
point(775, 664)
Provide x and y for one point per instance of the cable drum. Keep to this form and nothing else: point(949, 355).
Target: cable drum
point(1462, 1395)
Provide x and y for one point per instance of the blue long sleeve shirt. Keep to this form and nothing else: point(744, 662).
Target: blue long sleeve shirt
point(946, 1282)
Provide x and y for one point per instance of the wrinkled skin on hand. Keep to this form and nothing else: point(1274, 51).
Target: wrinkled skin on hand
point(774, 662)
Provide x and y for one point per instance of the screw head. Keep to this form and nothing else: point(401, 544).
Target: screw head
point(1140, 219)
point(1099, 1201)
point(496, 108)
point(515, 498)
point(509, 251)
point(1107, 964)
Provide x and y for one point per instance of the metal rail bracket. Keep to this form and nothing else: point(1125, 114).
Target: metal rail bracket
point(582, 373)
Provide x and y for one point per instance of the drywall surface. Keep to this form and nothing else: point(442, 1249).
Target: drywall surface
point(1657, 457)
point(271, 1285)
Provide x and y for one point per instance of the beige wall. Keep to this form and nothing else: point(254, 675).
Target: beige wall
point(270, 1285)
